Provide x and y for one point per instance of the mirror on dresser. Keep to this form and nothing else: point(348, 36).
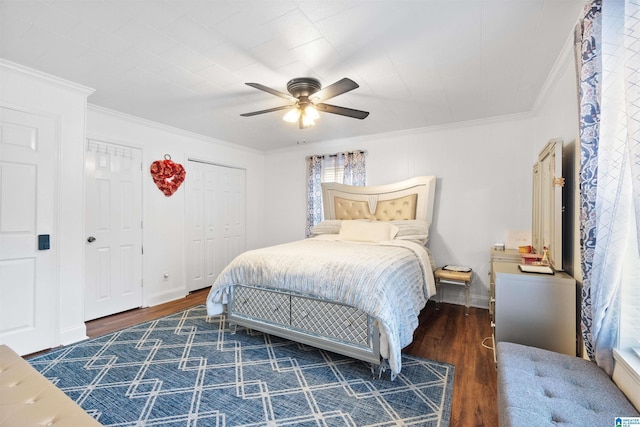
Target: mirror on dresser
point(547, 203)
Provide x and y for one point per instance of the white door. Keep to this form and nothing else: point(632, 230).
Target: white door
point(215, 220)
point(233, 213)
point(199, 266)
point(113, 228)
point(28, 275)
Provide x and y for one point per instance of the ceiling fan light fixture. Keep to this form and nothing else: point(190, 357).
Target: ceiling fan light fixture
point(307, 121)
point(303, 92)
point(311, 112)
point(292, 116)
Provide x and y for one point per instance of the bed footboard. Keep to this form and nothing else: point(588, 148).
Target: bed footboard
point(324, 324)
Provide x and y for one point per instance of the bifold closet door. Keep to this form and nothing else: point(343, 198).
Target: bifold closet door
point(232, 213)
point(215, 220)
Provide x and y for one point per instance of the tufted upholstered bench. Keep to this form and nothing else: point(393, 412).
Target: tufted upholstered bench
point(29, 399)
point(539, 388)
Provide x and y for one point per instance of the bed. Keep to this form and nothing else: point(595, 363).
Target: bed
point(355, 287)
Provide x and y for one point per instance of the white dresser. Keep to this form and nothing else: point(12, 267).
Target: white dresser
point(505, 255)
point(533, 309)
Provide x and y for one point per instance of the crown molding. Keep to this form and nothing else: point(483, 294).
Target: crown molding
point(563, 60)
point(166, 128)
point(413, 131)
point(40, 75)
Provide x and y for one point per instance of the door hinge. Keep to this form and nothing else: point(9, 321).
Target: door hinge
point(142, 250)
point(558, 182)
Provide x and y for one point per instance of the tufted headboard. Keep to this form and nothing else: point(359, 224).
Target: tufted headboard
point(410, 199)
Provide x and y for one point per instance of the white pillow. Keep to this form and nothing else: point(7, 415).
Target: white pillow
point(363, 231)
point(328, 226)
point(416, 230)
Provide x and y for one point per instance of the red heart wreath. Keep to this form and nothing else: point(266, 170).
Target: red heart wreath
point(167, 175)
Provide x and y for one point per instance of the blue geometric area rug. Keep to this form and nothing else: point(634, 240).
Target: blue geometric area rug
point(182, 370)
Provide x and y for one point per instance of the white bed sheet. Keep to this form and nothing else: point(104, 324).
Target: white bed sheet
point(390, 281)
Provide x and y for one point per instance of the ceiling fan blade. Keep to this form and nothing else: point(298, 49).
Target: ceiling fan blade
point(338, 88)
point(270, 110)
point(272, 91)
point(343, 111)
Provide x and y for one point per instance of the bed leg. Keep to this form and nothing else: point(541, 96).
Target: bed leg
point(382, 368)
point(232, 328)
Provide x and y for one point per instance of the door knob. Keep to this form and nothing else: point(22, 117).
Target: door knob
point(91, 239)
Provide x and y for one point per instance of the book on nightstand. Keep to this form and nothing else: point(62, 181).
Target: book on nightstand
point(529, 268)
point(459, 268)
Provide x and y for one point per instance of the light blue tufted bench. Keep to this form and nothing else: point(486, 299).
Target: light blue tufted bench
point(540, 388)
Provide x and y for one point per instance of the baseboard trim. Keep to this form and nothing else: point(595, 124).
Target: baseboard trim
point(455, 295)
point(73, 335)
point(167, 296)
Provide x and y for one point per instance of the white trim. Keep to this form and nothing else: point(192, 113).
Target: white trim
point(563, 60)
point(73, 335)
point(626, 374)
point(200, 159)
point(30, 72)
point(92, 136)
point(456, 295)
point(57, 218)
point(357, 139)
point(167, 296)
point(149, 123)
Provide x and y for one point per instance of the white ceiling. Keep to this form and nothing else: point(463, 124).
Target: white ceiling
point(184, 63)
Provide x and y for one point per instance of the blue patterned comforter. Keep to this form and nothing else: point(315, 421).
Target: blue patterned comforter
point(390, 281)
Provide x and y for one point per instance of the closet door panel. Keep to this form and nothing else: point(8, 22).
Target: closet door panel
point(233, 213)
point(211, 197)
point(194, 227)
point(215, 216)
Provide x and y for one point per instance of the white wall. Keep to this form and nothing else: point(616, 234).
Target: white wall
point(483, 187)
point(163, 217)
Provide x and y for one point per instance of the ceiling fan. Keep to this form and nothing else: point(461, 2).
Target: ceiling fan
point(307, 96)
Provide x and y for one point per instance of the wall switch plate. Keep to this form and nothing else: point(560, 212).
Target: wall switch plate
point(43, 242)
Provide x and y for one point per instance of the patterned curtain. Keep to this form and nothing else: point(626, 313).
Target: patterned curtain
point(589, 68)
point(354, 173)
point(632, 78)
point(314, 192)
point(605, 181)
point(354, 170)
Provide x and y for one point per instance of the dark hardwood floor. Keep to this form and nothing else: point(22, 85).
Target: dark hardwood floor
point(446, 335)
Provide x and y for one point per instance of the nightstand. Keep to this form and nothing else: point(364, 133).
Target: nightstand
point(462, 278)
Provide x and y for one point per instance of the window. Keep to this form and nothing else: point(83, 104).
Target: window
point(345, 168)
point(630, 298)
point(627, 354)
point(333, 169)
